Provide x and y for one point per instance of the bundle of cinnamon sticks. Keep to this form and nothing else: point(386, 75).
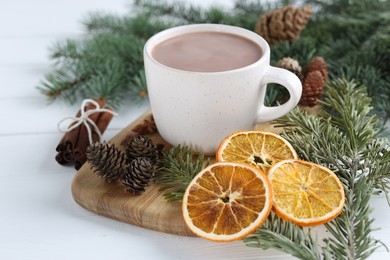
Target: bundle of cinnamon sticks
point(73, 145)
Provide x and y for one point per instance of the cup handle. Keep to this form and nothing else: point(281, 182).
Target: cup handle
point(287, 79)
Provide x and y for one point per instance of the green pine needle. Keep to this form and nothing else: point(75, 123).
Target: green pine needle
point(176, 169)
point(286, 237)
point(344, 138)
point(364, 55)
point(138, 88)
point(352, 36)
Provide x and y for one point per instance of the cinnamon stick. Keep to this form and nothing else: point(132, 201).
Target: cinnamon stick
point(79, 152)
point(65, 146)
point(72, 147)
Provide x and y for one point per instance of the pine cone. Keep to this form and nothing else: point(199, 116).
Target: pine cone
point(318, 63)
point(283, 24)
point(108, 161)
point(291, 65)
point(312, 88)
point(141, 146)
point(138, 175)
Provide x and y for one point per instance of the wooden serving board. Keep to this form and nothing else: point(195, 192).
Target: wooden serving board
point(148, 210)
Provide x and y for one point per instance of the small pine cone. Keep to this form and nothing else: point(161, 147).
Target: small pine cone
point(291, 65)
point(141, 146)
point(108, 161)
point(312, 88)
point(138, 174)
point(318, 63)
point(284, 24)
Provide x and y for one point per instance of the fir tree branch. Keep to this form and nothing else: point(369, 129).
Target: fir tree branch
point(109, 83)
point(348, 106)
point(99, 67)
point(352, 230)
point(348, 6)
point(61, 84)
point(245, 13)
point(351, 150)
point(176, 169)
point(142, 25)
point(179, 11)
point(344, 138)
point(98, 22)
point(254, 6)
point(68, 50)
point(138, 87)
point(286, 237)
point(364, 55)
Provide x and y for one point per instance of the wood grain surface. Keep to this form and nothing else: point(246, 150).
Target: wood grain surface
point(148, 210)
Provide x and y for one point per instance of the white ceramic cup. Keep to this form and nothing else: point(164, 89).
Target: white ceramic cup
point(199, 109)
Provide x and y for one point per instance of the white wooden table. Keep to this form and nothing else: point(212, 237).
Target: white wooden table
point(38, 217)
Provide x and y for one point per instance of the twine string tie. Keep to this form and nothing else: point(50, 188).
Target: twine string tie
point(84, 119)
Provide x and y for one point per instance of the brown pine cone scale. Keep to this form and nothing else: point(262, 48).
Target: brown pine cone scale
point(318, 64)
point(284, 24)
point(141, 146)
point(291, 65)
point(312, 88)
point(138, 175)
point(108, 161)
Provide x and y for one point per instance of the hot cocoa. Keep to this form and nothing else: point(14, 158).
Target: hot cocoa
point(207, 52)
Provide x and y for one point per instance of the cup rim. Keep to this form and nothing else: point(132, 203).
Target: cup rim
point(206, 27)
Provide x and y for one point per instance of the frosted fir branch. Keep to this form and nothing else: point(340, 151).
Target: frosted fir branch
point(142, 25)
point(138, 90)
point(61, 84)
point(286, 237)
point(179, 10)
point(344, 138)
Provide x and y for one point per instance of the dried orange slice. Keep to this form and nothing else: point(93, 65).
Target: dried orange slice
point(227, 201)
point(261, 149)
point(306, 193)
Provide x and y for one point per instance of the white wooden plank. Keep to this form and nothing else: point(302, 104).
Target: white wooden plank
point(26, 51)
point(49, 221)
point(49, 225)
point(39, 218)
point(44, 17)
point(34, 115)
point(36, 160)
point(31, 154)
point(61, 17)
point(13, 85)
